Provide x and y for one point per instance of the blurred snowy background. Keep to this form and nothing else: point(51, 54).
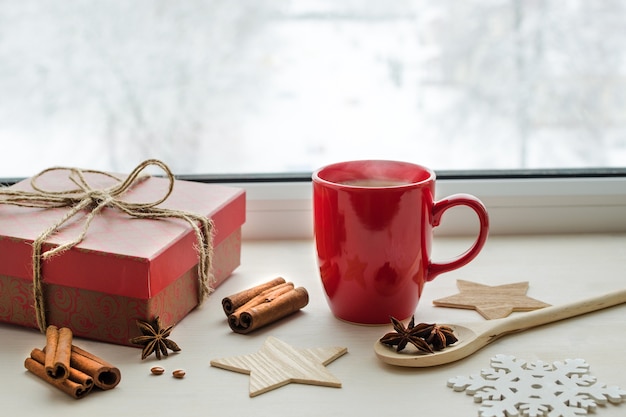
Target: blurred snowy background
point(223, 86)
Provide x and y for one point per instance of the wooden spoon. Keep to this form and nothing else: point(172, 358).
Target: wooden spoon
point(474, 336)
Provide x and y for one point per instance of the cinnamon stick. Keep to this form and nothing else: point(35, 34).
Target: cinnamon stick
point(267, 307)
point(58, 350)
point(77, 384)
point(264, 297)
point(75, 375)
point(105, 376)
point(235, 301)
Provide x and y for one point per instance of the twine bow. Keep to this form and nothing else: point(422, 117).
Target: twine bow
point(94, 200)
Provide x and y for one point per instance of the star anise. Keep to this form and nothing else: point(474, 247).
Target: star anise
point(425, 337)
point(405, 335)
point(437, 336)
point(154, 339)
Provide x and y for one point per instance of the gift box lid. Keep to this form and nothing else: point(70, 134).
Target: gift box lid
point(119, 255)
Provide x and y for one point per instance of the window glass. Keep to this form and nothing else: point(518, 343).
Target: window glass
point(233, 86)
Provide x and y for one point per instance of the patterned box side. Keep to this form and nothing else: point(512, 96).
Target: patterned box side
point(111, 318)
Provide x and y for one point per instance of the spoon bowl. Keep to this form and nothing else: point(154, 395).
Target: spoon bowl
point(474, 336)
point(465, 346)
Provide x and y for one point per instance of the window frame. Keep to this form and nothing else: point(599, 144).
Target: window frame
point(279, 206)
point(518, 202)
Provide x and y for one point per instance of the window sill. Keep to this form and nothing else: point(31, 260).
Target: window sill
point(559, 269)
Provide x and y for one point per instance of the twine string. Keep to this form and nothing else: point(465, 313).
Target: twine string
point(93, 201)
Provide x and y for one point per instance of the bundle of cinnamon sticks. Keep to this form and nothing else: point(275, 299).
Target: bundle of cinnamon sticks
point(70, 368)
point(263, 304)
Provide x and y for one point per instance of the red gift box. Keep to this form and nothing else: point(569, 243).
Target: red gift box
point(125, 268)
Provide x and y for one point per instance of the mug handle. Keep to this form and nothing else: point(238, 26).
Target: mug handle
point(439, 207)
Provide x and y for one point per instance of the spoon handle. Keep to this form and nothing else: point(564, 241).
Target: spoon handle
point(551, 314)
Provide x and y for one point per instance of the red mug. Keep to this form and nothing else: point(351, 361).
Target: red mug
point(373, 225)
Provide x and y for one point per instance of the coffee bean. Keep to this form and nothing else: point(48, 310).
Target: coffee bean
point(157, 370)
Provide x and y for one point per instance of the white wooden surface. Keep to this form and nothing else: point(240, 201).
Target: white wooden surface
point(559, 269)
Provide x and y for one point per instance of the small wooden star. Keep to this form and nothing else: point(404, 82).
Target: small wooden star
point(277, 364)
point(492, 302)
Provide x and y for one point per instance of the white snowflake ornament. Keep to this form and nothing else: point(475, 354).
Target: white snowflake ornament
point(513, 388)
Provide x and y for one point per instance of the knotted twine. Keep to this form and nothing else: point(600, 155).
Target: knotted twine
point(94, 200)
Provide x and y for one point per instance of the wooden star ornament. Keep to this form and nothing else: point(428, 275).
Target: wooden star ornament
point(492, 302)
point(277, 364)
